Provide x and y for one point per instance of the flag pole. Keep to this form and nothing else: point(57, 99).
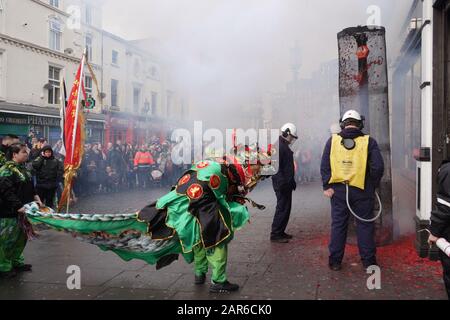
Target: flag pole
point(63, 120)
point(68, 201)
point(78, 104)
point(76, 122)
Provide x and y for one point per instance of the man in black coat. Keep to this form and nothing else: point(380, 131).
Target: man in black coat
point(440, 218)
point(49, 172)
point(283, 184)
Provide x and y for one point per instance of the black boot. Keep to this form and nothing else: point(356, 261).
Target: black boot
point(8, 274)
point(335, 266)
point(200, 279)
point(23, 268)
point(279, 240)
point(223, 287)
point(372, 262)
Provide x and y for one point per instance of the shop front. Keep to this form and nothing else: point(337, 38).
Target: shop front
point(23, 125)
point(132, 129)
point(25, 121)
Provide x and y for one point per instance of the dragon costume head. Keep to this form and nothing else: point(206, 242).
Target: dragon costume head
point(245, 166)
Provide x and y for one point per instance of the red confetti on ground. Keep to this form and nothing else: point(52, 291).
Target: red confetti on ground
point(400, 256)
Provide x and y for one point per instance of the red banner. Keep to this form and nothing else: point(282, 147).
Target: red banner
point(74, 147)
point(74, 134)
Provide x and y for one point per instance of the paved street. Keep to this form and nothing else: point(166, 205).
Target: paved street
point(264, 270)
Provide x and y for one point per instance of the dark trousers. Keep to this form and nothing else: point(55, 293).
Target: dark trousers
point(362, 205)
point(143, 174)
point(446, 265)
point(46, 195)
point(282, 213)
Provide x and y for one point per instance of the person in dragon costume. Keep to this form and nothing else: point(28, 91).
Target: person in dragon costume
point(196, 219)
point(16, 190)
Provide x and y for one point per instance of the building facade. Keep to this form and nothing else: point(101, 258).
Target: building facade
point(45, 45)
point(420, 113)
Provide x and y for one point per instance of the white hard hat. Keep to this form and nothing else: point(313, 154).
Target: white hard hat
point(289, 129)
point(351, 114)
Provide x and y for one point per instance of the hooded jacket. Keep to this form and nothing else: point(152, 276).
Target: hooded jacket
point(49, 171)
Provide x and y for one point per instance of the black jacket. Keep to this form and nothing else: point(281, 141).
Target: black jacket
point(440, 217)
point(284, 180)
point(49, 172)
point(34, 153)
point(14, 192)
point(115, 160)
point(375, 163)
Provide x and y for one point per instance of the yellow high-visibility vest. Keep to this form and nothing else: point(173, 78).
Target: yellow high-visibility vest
point(349, 165)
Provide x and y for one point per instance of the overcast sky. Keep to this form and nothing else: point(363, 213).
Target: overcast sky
point(235, 50)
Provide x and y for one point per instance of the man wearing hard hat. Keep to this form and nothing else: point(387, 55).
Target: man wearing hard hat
point(283, 184)
point(351, 169)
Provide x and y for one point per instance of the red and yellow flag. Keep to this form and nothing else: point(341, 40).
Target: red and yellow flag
point(74, 134)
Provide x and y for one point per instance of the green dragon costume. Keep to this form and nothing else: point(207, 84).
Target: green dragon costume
point(196, 219)
point(2, 158)
point(14, 228)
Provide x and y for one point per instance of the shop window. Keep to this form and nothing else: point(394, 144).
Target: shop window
point(410, 92)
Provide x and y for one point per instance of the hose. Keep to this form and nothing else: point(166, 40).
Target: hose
point(358, 217)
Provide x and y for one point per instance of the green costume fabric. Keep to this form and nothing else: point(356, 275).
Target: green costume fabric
point(2, 158)
point(216, 257)
point(122, 234)
point(11, 168)
point(188, 225)
point(12, 235)
point(196, 213)
point(12, 244)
